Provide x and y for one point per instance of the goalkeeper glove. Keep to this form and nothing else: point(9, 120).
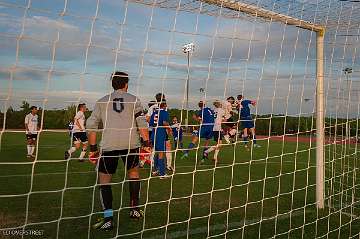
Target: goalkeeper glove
point(94, 154)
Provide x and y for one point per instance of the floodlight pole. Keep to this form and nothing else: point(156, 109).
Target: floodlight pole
point(188, 49)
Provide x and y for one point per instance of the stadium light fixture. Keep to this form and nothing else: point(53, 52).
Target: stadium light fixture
point(188, 49)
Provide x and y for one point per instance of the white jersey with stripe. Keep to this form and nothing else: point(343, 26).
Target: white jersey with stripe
point(219, 116)
point(80, 118)
point(32, 123)
point(121, 116)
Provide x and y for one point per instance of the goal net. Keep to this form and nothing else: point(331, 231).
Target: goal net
point(287, 162)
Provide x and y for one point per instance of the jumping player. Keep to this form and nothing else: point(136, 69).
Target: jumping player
point(121, 116)
point(31, 129)
point(79, 135)
point(246, 120)
point(229, 126)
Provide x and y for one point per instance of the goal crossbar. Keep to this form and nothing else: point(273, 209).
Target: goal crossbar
point(266, 14)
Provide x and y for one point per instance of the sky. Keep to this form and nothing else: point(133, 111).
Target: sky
point(54, 54)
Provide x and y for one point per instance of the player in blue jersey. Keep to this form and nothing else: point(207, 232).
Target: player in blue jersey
point(159, 121)
point(159, 98)
point(246, 120)
point(206, 118)
point(177, 132)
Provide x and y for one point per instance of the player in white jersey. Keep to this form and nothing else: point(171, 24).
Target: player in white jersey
point(31, 127)
point(230, 124)
point(159, 98)
point(79, 135)
point(217, 130)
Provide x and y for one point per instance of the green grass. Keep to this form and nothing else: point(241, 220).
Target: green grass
point(267, 192)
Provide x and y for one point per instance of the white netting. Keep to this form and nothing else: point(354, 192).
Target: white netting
point(57, 54)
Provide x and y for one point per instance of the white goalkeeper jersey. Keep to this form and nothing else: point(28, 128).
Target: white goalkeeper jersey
point(32, 123)
point(219, 116)
point(121, 117)
point(80, 119)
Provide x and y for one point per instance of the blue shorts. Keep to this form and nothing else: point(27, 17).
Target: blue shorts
point(247, 123)
point(159, 141)
point(206, 132)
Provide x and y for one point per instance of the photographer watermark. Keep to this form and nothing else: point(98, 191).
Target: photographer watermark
point(22, 232)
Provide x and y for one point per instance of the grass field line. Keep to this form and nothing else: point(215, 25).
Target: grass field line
point(92, 171)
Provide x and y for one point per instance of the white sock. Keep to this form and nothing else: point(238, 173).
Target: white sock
point(82, 154)
point(28, 149)
point(71, 150)
point(232, 132)
point(216, 153)
point(168, 159)
point(32, 149)
point(209, 150)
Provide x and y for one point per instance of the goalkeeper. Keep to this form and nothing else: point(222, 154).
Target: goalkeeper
point(121, 116)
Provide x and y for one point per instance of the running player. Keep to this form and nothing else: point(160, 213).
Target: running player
point(121, 116)
point(219, 114)
point(206, 118)
point(79, 134)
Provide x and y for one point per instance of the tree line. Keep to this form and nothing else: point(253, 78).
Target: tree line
point(265, 124)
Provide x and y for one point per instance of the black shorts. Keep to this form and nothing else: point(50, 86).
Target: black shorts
point(109, 160)
point(80, 137)
point(229, 123)
point(31, 136)
point(217, 135)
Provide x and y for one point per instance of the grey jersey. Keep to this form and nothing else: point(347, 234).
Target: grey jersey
point(121, 115)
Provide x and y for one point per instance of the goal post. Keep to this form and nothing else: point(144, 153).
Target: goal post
point(320, 33)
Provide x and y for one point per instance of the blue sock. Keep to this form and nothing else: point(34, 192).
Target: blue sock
point(191, 145)
point(245, 140)
point(156, 163)
point(108, 213)
point(254, 139)
point(161, 163)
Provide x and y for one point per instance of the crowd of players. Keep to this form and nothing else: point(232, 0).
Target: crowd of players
point(137, 137)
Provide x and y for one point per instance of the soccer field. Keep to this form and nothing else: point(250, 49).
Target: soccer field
point(265, 192)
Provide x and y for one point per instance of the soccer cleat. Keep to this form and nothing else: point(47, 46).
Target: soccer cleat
point(66, 155)
point(257, 146)
point(136, 214)
point(170, 168)
point(185, 155)
point(155, 173)
point(105, 224)
point(28, 156)
point(165, 176)
point(81, 160)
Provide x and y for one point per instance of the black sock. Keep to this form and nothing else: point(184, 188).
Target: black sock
point(106, 199)
point(134, 188)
